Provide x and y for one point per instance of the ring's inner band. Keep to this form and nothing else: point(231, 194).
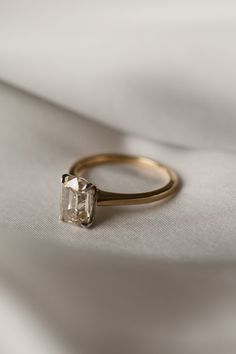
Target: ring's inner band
point(111, 198)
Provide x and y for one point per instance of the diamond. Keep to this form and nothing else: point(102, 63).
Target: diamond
point(78, 200)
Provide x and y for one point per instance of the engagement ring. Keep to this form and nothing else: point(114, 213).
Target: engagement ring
point(79, 197)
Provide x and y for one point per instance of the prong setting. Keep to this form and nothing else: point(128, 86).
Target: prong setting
point(78, 200)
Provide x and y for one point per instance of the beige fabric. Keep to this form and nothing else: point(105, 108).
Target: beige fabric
point(164, 70)
point(147, 279)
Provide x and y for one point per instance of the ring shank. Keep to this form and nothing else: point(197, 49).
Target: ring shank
point(110, 198)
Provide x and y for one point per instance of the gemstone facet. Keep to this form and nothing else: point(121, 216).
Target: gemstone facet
point(78, 200)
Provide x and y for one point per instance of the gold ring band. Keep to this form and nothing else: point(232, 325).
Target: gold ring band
point(79, 196)
point(110, 198)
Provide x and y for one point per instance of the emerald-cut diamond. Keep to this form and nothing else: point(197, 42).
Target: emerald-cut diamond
point(78, 200)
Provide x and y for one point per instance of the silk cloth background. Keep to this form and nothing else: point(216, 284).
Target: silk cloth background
point(142, 77)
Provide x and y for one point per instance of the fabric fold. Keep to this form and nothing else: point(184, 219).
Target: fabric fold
point(163, 71)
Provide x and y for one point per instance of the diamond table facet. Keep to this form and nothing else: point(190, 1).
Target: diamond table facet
point(78, 200)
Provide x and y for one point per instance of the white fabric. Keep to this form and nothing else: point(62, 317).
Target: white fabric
point(146, 279)
point(170, 66)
